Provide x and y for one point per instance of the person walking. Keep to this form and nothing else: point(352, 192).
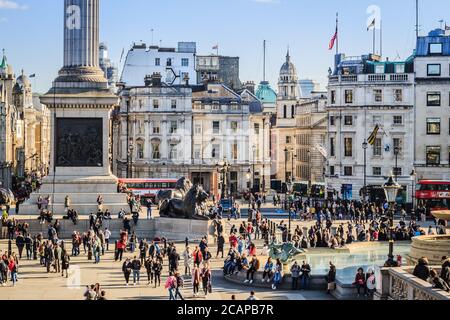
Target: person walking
point(20, 243)
point(331, 278)
point(65, 263)
point(12, 267)
point(171, 285)
point(29, 246)
point(58, 256)
point(174, 259)
point(220, 245)
point(107, 238)
point(180, 284)
point(136, 267)
point(206, 279)
point(196, 280)
point(126, 269)
point(157, 269)
point(149, 268)
point(187, 257)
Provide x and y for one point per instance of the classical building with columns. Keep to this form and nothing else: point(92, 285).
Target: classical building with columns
point(153, 130)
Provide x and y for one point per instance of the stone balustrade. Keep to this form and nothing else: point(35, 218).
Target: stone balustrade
point(400, 284)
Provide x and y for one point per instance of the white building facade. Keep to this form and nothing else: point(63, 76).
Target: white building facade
point(364, 92)
point(432, 118)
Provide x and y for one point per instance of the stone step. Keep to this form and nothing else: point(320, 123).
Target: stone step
point(82, 209)
point(77, 198)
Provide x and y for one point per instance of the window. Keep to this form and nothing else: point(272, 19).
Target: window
point(198, 128)
point(216, 127)
point(348, 171)
point(332, 120)
point(377, 148)
point(173, 126)
point(332, 171)
point(288, 140)
point(173, 154)
point(376, 171)
point(434, 70)
point(348, 120)
point(234, 126)
point(433, 99)
point(155, 104)
point(379, 69)
point(378, 95)
point(215, 153)
point(348, 145)
point(400, 68)
point(377, 120)
point(333, 97)
point(156, 155)
point(293, 112)
point(332, 148)
point(185, 62)
point(197, 151)
point(140, 150)
point(398, 172)
point(169, 62)
point(398, 95)
point(156, 128)
point(234, 151)
point(285, 112)
point(434, 126)
point(348, 96)
point(257, 128)
point(398, 144)
point(435, 48)
point(157, 61)
point(173, 104)
point(433, 156)
point(398, 120)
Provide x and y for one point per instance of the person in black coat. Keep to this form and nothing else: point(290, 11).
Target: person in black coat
point(422, 270)
point(28, 246)
point(438, 282)
point(445, 270)
point(20, 243)
point(220, 245)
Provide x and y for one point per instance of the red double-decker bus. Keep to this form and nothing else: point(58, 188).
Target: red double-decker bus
point(433, 194)
point(148, 188)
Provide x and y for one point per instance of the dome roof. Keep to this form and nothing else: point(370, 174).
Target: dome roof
point(288, 67)
point(265, 93)
point(23, 80)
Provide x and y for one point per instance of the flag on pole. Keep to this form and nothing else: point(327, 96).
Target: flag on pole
point(373, 136)
point(216, 47)
point(32, 75)
point(333, 40)
point(371, 25)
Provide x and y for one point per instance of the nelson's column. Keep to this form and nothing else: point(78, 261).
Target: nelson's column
point(80, 105)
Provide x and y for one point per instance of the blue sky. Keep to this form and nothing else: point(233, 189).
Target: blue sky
point(31, 31)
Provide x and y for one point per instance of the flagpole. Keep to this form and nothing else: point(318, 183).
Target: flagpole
point(374, 38)
point(381, 38)
point(337, 33)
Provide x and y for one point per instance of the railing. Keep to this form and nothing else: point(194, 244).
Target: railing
point(400, 284)
point(369, 78)
point(376, 77)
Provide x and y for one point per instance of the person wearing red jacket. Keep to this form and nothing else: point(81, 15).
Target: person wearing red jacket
point(233, 240)
point(13, 270)
point(197, 256)
point(360, 281)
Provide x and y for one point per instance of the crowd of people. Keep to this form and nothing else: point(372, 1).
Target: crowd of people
point(426, 273)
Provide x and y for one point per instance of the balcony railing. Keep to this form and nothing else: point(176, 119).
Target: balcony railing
point(400, 284)
point(369, 78)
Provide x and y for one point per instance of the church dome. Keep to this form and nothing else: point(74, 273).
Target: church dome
point(265, 93)
point(288, 67)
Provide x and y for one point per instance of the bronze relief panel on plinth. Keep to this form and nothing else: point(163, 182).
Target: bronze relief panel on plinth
point(79, 142)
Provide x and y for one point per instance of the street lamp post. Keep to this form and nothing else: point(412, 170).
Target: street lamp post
point(253, 168)
point(391, 188)
point(293, 159)
point(286, 156)
point(130, 160)
point(413, 175)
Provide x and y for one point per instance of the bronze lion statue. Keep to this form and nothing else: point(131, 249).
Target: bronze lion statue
point(182, 188)
point(191, 207)
point(6, 198)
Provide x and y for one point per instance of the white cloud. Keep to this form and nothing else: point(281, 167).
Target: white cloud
point(12, 5)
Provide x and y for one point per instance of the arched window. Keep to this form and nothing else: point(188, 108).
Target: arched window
point(140, 149)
